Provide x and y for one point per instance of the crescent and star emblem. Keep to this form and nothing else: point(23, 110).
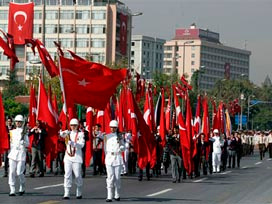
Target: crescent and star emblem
point(20, 13)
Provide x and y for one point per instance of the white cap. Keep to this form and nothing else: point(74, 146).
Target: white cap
point(113, 123)
point(19, 118)
point(215, 131)
point(74, 121)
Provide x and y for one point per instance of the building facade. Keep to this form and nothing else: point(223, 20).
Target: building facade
point(91, 28)
point(146, 55)
point(195, 49)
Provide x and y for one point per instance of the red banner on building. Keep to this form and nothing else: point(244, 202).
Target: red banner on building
point(123, 34)
point(20, 23)
point(227, 71)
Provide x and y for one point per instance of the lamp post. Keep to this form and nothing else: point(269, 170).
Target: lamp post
point(185, 43)
point(200, 71)
point(130, 37)
point(248, 106)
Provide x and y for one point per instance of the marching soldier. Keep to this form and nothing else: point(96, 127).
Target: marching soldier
point(261, 143)
point(17, 156)
point(97, 150)
point(73, 159)
point(113, 147)
point(216, 155)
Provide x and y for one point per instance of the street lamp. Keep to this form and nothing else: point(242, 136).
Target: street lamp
point(130, 37)
point(200, 71)
point(248, 106)
point(185, 43)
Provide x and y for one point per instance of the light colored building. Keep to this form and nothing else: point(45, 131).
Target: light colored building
point(146, 55)
point(91, 28)
point(195, 49)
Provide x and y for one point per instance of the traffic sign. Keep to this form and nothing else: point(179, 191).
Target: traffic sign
point(238, 117)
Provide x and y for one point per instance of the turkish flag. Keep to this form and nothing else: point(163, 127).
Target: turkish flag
point(46, 113)
point(168, 114)
point(205, 119)
point(9, 49)
point(4, 140)
point(89, 84)
point(162, 121)
point(123, 34)
point(66, 115)
point(89, 142)
point(20, 23)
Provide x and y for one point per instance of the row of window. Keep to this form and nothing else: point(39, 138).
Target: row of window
point(64, 14)
point(149, 45)
point(61, 2)
point(69, 28)
point(225, 52)
point(225, 59)
point(211, 65)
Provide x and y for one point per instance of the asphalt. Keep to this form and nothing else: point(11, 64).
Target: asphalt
point(252, 183)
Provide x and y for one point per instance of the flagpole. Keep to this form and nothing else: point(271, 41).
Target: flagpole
point(63, 91)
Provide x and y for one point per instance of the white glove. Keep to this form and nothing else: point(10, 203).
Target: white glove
point(121, 148)
point(71, 143)
point(22, 142)
point(67, 132)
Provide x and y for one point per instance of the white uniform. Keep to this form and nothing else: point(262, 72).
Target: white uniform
point(127, 140)
point(17, 158)
point(216, 156)
point(113, 148)
point(73, 163)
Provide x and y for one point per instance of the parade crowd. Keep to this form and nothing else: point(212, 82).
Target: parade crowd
point(114, 155)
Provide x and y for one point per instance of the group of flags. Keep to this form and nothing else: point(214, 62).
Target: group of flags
point(94, 86)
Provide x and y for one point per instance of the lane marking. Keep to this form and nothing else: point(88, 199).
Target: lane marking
point(50, 202)
point(269, 159)
point(199, 180)
point(244, 167)
point(51, 186)
point(226, 172)
point(258, 163)
point(160, 192)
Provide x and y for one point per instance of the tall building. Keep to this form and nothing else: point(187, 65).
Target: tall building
point(91, 28)
point(146, 55)
point(195, 49)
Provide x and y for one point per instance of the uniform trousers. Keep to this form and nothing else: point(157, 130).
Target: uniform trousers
point(125, 166)
point(113, 180)
point(69, 168)
point(16, 168)
point(216, 161)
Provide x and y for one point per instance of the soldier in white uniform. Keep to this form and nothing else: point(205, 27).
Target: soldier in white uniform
point(17, 156)
point(73, 159)
point(217, 151)
point(113, 147)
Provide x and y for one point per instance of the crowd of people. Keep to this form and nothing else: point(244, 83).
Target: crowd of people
point(114, 155)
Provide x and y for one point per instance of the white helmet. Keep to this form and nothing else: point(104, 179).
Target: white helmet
point(19, 118)
point(113, 123)
point(74, 121)
point(216, 131)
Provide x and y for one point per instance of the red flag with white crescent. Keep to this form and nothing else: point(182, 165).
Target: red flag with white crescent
point(20, 23)
point(123, 34)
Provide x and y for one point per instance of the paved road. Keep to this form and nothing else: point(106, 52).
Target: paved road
point(252, 183)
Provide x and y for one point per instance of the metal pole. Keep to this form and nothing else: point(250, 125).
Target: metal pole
point(248, 102)
point(183, 66)
point(43, 33)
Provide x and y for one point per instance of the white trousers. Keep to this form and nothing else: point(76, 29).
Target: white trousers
point(125, 166)
point(69, 168)
point(113, 180)
point(216, 159)
point(16, 168)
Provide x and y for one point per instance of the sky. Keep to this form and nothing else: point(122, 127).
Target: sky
point(244, 24)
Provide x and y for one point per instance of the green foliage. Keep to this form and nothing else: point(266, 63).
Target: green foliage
point(12, 108)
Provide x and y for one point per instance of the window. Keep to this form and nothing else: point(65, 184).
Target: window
point(193, 47)
point(99, 15)
point(4, 27)
point(67, 2)
point(82, 29)
point(98, 42)
point(192, 70)
point(67, 42)
point(132, 62)
point(66, 28)
point(50, 42)
point(51, 2)
point(37, 15)
point(52, 15)
point(37, 28)
point(84, 2)
point(132, 53)
point(82, 14)
point(98, 29)
point(133, 44)
point(50, 28)
point(192, 62)
point(3, 57)
point(66, 15)
point(82, 42)
point(3, 14)
point(193, 55)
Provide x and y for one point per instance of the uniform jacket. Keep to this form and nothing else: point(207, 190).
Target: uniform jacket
point(113, 148)
point(79, 144)
point(217, 144)
point(18, 146)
